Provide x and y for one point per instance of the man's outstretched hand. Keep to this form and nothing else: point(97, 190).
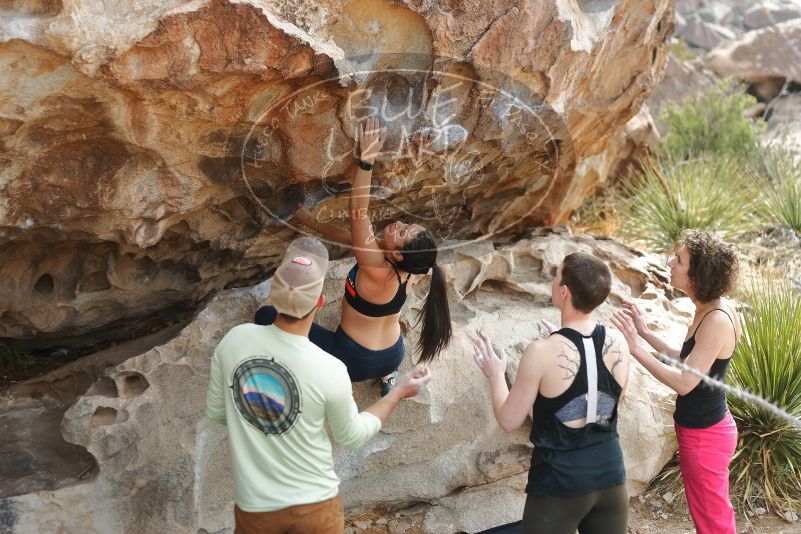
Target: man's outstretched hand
point(412, 382)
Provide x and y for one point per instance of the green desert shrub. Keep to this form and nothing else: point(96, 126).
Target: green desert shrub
point(779, 179)
point(712, 123)
point(667, 198)
point(767, 362)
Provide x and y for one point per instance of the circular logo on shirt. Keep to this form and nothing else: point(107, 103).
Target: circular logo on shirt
point(266, 395)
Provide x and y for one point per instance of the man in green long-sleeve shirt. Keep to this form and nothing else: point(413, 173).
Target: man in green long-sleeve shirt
point(275, 390)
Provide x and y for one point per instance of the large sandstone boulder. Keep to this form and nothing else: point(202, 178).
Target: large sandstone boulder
point(150, 151)
point(625, 153)
point(705, 35)
point(773, 53)
point(767, 13)
point(441, 463)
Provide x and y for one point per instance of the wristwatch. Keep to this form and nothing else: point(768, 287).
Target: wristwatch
point(365, 166)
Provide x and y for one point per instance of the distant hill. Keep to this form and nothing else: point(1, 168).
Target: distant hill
point(264, 406)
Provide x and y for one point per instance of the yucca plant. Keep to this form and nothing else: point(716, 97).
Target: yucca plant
point(779, 179)
point(667, 198)
point(767, 362)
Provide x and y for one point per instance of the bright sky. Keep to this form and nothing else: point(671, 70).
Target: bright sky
point(264, 383)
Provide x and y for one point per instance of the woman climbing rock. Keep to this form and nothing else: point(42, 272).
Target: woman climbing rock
point(368, 339)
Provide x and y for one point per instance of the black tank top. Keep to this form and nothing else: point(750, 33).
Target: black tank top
point(704, 406)
point(371, 309)
point(574, 461)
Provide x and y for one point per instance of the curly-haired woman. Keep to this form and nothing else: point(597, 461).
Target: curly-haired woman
point(704, 268)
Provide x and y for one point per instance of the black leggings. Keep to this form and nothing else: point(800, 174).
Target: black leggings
point(362, 363)
point(600, 512)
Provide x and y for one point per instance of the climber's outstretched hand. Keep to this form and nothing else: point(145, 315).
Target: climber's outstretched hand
point(366, 246)
point(371, 139)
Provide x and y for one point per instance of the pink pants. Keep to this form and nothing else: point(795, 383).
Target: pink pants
point(704, 457)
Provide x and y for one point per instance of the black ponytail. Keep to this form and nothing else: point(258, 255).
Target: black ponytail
point(420, 256)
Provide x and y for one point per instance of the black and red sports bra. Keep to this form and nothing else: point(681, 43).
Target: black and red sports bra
point(371, 309)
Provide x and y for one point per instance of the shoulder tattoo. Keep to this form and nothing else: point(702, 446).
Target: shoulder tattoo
point(567, 361)
point(611, 348)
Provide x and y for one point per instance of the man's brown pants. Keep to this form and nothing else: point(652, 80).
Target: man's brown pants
point(325, 517)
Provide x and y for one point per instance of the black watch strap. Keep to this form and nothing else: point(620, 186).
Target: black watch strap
point(366, 166)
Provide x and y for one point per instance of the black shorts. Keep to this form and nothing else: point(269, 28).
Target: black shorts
point(362, 363)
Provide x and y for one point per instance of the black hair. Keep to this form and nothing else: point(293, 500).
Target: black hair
point(420, 256)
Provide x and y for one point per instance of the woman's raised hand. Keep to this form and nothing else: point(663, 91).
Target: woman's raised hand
point(625, 324)
point(491, 363)
point(371, 139)
point(637, 317)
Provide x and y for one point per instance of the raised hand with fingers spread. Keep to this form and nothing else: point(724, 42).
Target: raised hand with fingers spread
point(491, 363)
point(637, 322)
point(637, 316)
point(626, 326)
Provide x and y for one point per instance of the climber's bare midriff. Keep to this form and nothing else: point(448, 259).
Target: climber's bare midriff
point(374, 333)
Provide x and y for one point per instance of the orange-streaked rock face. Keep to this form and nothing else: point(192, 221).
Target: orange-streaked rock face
point(150, 152)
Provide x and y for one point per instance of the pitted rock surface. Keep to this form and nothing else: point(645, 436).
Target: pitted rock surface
point(163, 467)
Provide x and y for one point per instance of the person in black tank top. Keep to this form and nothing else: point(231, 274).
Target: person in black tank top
point(704, 268)
point(376, 285)
point(574, 379)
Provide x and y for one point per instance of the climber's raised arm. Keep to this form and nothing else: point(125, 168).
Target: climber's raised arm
point(329, 231)
point(366, 246)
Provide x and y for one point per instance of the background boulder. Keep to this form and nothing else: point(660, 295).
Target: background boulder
point(761, 56)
